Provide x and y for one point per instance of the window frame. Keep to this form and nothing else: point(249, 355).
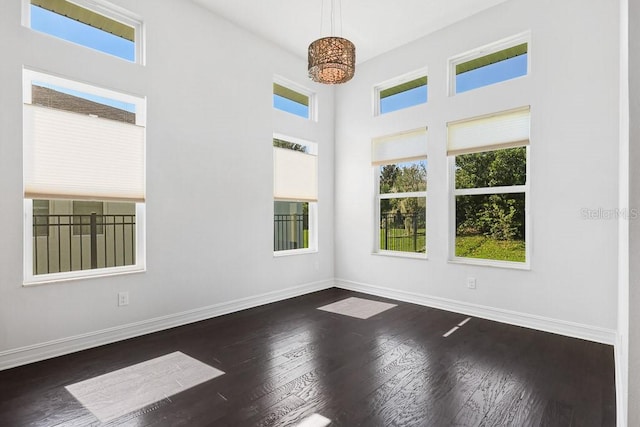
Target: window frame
point(312, 149)
point(513, 189)
point(378, 197)
point(29, 278)
point(108, 10)
point(288, 84)
point(488, 49)
point(397, 81)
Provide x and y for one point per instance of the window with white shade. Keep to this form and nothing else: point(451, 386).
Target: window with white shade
point(84, 160)
point(400, 168)
point(489, 176)
point(295, 195)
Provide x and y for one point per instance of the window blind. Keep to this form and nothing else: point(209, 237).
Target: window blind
point(295, 175)
point(400, 147)
point(501, 130)
point(74, 156)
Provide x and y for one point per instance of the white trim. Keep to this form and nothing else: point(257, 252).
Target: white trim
point(490, 190)
point(621, 348)
point(389, 196)
point(46, 350)
point(313, 98)
point(108, 10)
point(481, 262)
point(396, 81)
point(401, 254)
point(545, 324)
point(488, 49)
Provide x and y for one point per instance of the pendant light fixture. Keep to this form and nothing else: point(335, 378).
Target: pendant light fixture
point(332, 60)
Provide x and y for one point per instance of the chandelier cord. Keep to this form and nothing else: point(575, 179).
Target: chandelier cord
point(333, 17)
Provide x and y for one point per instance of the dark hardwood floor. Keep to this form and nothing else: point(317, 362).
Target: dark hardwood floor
point(287, 360)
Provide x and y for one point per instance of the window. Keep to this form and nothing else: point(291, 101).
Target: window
point(295, 193)
point(84, 184)
point(95, 24)
point(293, 99)
point(400, 166)
point(401, 93)
point(491, 64)
point(489, 157)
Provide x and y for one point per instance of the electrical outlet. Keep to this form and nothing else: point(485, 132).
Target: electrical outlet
point(123, 298)
point(471, 282)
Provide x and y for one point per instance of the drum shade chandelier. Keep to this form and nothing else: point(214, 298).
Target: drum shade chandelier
point(332, 60)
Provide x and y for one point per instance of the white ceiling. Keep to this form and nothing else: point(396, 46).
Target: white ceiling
point(374, 26)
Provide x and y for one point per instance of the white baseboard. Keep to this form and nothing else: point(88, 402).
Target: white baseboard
point(561, 327)
point(46, 350)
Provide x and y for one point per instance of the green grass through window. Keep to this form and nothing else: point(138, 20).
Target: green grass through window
point(487, 248)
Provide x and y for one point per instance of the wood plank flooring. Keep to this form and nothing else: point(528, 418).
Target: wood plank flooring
point(285, 361)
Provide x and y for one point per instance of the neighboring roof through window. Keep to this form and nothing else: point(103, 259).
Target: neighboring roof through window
point(86, 16)
point(492, 58)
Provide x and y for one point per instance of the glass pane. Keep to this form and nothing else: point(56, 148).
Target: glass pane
point(82, 211)
point(403, 177)
point(506, 69)
point(404, 99)
point(289, 100)
point(492, 168)
point(491, 226)
point(290, 106)
point(403, 224)
point(83, 103)
point(71, 246)
point(41, 217)
point(280, 143)
point(290, 225)
point(65, 28)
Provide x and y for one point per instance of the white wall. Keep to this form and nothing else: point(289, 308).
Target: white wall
point(209, 175)
point(574, 96)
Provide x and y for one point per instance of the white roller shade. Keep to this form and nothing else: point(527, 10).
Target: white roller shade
point(399, 147)
point(501, 130)
point(295, 175)
point(75, 156)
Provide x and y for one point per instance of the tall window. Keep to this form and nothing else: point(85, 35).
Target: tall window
point(295, 194)
point(489, 157)
point(84, 184)
point(401, 93)
point(400, 166)
point(498, 62)
point(94, 24)
point(293, 99)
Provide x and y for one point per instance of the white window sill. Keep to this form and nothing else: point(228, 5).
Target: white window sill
point(491, 263)
point(291, 252)
point(398, 254)
point(44, 279)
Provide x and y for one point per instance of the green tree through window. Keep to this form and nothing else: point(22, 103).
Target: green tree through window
point(491, 225)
